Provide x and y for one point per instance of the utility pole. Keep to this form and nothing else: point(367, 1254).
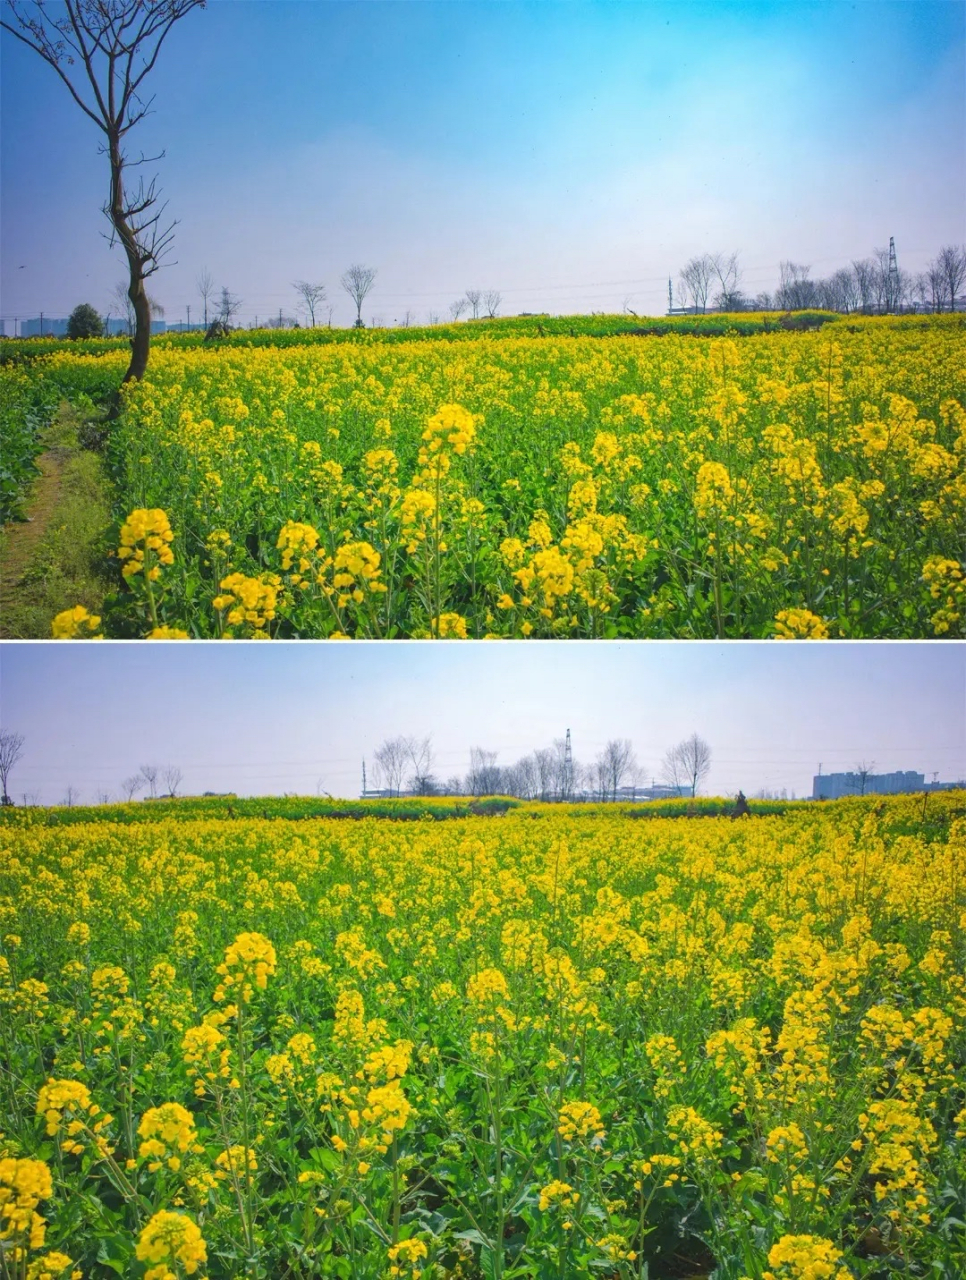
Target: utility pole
point(363, 779)
point(189, 315)
point(670, 296)
point(41, 324)
point(568, 768)
point(892, 291)
point(280, 317)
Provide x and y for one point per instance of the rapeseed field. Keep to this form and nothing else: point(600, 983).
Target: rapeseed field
point(559, 1042)
point(790, 484)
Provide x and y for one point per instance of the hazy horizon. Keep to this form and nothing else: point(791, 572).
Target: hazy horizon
point(570, 156)
point(269, 718)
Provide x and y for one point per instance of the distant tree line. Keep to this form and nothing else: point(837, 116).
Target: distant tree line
point(867, 285)
point(405, 766)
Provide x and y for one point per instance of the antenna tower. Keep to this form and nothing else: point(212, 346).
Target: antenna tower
point(892, 294)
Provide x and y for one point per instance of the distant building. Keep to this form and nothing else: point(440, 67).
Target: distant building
point(43, 326)
point(55, 327)
point(831, 786)
point(115, 327)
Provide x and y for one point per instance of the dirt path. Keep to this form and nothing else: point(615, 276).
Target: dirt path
point(21, 537)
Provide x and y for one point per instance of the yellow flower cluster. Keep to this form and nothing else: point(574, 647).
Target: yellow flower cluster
point(66, 1107)
point(405, 1257)
point(171, 1243)
point(805, 1258)
point(250, 603)
point(145, 548)
point(75, 624)
point(249, 959)
point(580, 1121)
point(23, 1184)
point(557, 1193)
point(168, 1133)
point(206, 1056)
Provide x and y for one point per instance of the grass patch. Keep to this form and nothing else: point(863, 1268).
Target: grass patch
point(60, 559)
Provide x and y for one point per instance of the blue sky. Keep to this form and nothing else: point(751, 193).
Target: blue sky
point(266, 718)
point(568, 154)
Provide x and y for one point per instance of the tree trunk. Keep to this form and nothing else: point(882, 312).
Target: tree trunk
point(141, 342)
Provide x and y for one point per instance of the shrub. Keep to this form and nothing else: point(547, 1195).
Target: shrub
point(85, 322)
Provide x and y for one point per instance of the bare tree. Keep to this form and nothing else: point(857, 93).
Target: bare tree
point(543, 761)
point(687, 764)
point(131, 786)
point(172, 779)
point(11, 749)
point(149, 772)
point(951, 265)
point(522, 779)
point(696, 276)
point(71, 796)
point(564, 771)
point(457, 308)
point(491, 301)
point(672, 770)
point(599, 778)
point(419, 752)
point(126, 312)
point(485, 777)
point(727, 273)
point(391, 757)
point(937, 285)
point(433, 318)
point(474, 297)
point(311, 295)
point(206, 288)
point(861, 774)
point(615, 763)
point(228, 306)
point(796, 292)
point(847, 289)
point(103, 50)
point(864, 271)
point(358, 282)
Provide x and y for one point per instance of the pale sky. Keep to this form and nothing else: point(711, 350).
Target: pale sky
point(571, 154)
point(273, 717)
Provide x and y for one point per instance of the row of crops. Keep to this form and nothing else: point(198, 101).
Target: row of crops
point(570, 1047)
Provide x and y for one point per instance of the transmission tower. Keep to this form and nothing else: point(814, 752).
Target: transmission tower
point(568, 768)
point(670, 296)
point(363, 778)
point(892, 292)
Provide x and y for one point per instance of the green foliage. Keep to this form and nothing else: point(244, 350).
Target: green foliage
point(26, 406)
point(287, 808)
point(85, 322)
